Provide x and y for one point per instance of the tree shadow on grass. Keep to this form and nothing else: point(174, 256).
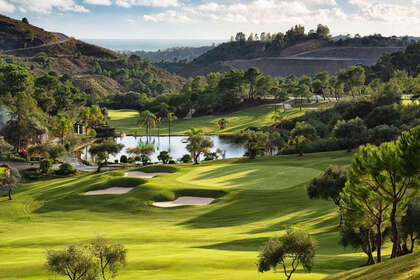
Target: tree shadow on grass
point(246, 207)
point(255, 176)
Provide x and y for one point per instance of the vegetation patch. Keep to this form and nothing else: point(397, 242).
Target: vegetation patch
point(158, 169)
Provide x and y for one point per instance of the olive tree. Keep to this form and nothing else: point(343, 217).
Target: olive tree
point(76, 262)
point(102, 151)
point(198, 143)
point(291, 250)
point(143, 151)
point(109, 257)
point(10, 179)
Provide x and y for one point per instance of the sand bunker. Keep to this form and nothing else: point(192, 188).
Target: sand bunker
point(113, 190)
point(185, 200)
point(139, 174)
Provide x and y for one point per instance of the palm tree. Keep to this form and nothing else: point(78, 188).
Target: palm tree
point(148, 120)
point(158, 121)
point(170, 117)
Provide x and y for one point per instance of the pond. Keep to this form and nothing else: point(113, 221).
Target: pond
point(176, 146)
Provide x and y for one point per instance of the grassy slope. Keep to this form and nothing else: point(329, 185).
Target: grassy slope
point(406, 267)
point(219, 241)
point(125, 120)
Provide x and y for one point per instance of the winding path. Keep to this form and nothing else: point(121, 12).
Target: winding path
point(61, 39)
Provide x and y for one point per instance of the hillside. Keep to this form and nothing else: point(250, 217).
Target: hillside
point(406, 267)
point(302, 58)
point(172, 54)
point(91, 68)
point(16, 34)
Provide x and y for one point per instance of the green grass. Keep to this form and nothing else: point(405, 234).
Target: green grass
point(256, 199)
point(126, 121)
point(406, 267)
point(2, 170)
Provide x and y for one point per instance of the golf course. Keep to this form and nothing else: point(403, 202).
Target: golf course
point(126, 120)
point(255, 200)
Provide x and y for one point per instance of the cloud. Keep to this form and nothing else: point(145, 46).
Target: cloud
point(148, 3)
point(168, 16)
point(46, 6)
point(6, 7)
point(387, 12)
point(99, 2)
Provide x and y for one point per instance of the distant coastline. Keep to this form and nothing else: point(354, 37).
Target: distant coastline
point(148, 44)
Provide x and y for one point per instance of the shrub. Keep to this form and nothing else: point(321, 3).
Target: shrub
point(158, 168)
point(66, 169)
point(123, 159)
point(186, 158)
point(45, 165)
point(164, 157)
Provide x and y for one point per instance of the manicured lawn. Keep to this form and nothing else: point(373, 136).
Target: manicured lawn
point(405, 267)
point(126, 121)
point(257, 199)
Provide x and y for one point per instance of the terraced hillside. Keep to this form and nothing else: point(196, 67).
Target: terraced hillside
point(308, 57)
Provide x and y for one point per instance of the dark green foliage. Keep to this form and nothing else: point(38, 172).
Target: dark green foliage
point(45, 165)
point(156, 168)
point(102, 151)
point(186, 158)
point(383, 133)
point(410, 226)
point(123, 159)
point(351, 133)
point(66, 169)
point(329, 185)
point(409, 151)
point(164, 157)
point(293, 249)
point(382, 115)
point(255, 141)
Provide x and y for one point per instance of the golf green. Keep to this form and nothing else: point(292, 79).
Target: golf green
point(257, 199)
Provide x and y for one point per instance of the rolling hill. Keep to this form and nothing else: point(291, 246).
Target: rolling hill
point(91, 68)
point(302, 58)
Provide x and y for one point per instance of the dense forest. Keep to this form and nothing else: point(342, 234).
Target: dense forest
point(221, 92)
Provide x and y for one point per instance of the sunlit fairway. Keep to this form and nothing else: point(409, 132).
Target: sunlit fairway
point(126, 121)
point(257, 199)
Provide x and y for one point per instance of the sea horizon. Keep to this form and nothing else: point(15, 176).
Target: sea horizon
point(149, 44)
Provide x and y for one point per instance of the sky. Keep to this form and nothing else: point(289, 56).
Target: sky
point(214, 19)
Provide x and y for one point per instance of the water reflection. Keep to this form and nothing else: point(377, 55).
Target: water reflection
point(176, 146)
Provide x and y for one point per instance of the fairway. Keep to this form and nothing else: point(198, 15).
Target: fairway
point(126, 121)
point(257, 199)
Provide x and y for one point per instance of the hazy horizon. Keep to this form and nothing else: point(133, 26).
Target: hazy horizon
point(215, 19)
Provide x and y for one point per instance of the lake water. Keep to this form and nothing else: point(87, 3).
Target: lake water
point(148, 44)
point(176, 147)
